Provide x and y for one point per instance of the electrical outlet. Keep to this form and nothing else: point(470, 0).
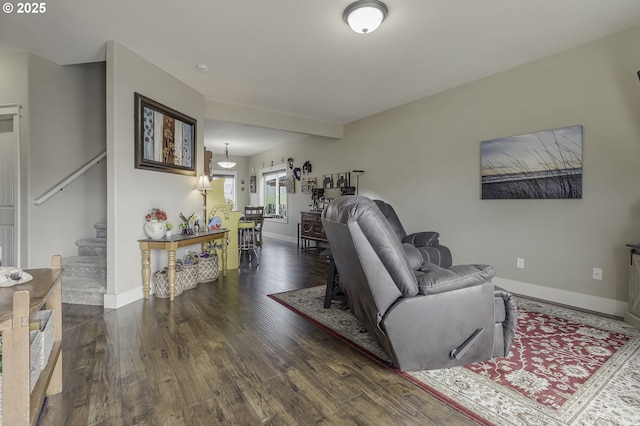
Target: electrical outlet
point(520, 263)
point(597, 274)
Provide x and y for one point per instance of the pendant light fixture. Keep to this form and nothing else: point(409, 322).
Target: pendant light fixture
point(364, 16)
point(226, 164)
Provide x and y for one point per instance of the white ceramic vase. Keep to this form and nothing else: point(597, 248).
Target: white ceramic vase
point(154, 229)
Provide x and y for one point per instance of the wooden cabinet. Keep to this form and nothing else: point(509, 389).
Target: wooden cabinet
point(208, 155)
point(18, 304)
point(311, 226)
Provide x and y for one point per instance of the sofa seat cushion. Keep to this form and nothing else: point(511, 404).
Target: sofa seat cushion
point(433, 279)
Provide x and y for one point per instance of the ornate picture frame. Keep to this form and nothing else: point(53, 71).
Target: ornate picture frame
point(165, 139)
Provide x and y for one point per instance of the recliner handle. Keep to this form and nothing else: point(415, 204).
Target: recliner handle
point(459, 352)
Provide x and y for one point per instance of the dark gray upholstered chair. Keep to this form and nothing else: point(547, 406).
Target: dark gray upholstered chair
point(422, 315)
point(426, 242)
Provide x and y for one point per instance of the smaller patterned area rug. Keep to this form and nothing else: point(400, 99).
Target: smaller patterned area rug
point(565, 367)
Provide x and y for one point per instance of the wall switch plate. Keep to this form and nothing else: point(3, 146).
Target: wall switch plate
point(597, 274)
point(520, 263)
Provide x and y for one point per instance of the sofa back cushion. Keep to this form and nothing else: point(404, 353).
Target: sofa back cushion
point(379, 252)
point(388, 212)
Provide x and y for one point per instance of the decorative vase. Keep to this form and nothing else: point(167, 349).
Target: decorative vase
point(154, 229)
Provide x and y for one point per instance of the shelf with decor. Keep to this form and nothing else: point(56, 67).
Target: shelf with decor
point(20, 306)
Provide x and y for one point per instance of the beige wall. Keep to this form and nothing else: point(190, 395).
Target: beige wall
point(424, 158)
point(67, 106)
point(14, 88)
point(62, 127)
point(132, 192)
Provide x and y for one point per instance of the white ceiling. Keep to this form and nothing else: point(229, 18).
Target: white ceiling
point(244, 140)
point(298, 57)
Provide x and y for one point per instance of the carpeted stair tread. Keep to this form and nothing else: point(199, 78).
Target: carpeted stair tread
point(96, 242)
point(92, 247)
point(101, 230)
point(82, 284)
point(84, 279)
point(85, 260)
point(83, 291)
point(85, 266)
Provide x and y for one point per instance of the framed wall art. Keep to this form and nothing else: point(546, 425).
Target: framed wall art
point(307, 184)
point(541, 165)
point(165, 139)
point(291, 184)
point(336, 180)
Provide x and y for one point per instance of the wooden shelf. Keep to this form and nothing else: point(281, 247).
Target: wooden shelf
point(40, 389)
point(18, 304)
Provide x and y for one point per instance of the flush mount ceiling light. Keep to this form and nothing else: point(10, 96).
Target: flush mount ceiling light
point(364, 16)
point(226, 164)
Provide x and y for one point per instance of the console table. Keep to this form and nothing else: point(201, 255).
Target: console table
point(171, 244)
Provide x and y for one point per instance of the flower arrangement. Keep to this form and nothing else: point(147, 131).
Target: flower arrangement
point(156, 213)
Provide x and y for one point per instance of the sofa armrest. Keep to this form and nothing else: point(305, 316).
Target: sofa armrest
point(433, 279)
point(422, 239)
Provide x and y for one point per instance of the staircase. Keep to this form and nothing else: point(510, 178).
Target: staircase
point(84, 279)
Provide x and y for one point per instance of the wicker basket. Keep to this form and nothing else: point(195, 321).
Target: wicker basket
point(190, 269)
point(47, 327)
point(208, 268)
point(190, 276)
point(162, 282)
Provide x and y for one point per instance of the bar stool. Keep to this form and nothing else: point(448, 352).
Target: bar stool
point(247, 239)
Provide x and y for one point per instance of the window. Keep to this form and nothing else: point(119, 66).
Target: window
point(229, 184)
point(275, 193)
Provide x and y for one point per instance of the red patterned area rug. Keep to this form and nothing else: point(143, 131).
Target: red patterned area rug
point(565, 367)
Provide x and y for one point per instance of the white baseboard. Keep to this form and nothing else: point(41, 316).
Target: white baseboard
point(281, 237)
point(564, 297)
point(115, 301)
point(632, 319)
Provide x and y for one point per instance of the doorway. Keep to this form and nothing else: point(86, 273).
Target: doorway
point(9, 185)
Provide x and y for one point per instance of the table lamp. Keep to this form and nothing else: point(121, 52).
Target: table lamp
point(203, 186)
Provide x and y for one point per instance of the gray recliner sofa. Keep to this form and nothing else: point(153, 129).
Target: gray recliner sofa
point(422, 315)
point(427, 242)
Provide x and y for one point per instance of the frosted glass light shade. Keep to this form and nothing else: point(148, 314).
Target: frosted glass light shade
point(226, 164)
point(364, 16)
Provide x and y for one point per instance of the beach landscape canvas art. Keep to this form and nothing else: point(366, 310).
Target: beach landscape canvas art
point(541, 165)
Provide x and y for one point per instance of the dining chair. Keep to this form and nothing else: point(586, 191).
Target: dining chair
point(255, 214)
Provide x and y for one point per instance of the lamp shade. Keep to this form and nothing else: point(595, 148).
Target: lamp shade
point(364, 16)
point(203, 183)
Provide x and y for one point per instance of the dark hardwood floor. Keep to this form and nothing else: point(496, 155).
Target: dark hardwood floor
point(225, 353)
